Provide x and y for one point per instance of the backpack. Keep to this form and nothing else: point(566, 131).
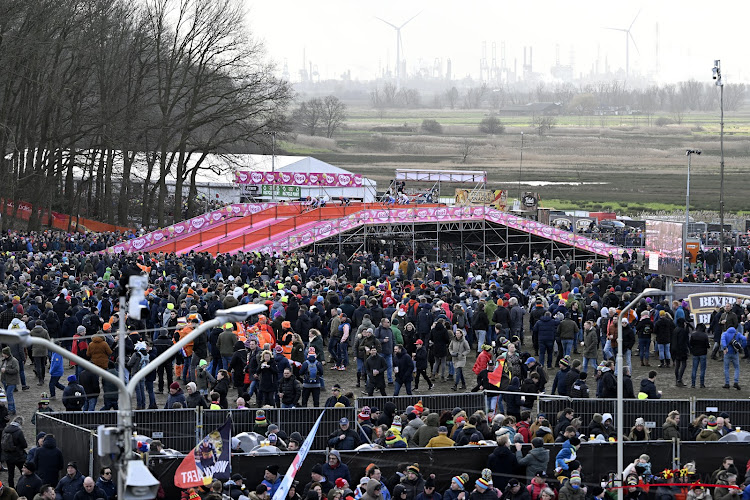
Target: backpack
point(7, 443)
point(312, 372)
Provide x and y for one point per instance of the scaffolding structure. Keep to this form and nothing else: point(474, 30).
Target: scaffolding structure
point(432, 182)
point(453, 242)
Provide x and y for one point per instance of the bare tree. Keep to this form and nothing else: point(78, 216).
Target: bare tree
point(451, 95)
point(734, 96)
point(334, 114)
point(466, 149)
point(543, 123)
point(310, 116)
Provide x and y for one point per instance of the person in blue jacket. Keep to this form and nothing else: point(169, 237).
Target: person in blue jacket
point(334, 469)
point(56, 370)
point(732, 355)
point(272, 479)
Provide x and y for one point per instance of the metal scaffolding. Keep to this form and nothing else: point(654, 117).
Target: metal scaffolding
point(448, 242)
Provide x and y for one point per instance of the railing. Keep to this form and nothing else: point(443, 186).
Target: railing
point(182, 429)
point(467, 401)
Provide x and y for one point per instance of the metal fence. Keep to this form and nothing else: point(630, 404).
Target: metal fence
point(468, 401)
point(738, 409)
point(78, 443)
point(182, 429)
point(653, 411)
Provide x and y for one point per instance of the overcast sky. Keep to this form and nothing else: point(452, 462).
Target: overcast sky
point(341, 35)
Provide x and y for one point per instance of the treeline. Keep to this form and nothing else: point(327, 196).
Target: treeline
point(675, 98)
point(88, 85)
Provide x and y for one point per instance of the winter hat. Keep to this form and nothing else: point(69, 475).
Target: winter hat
point(632, 480)
point(482, 483)
point(3, 398)
point(273, 469)
point(140, 346)
point(278, 349)
point(174, 385)
point(429, 482)
point(419, 407)
point(364, 414)
point(6, 351)
point(461, 480)
point(30, 466)
point(575, 477)
point(396, 422)
point(44, 398)
point(640, 421)
point(317, 469)
point(260, 418)
point(72, 378)
point(487, 476)
point(391, 438)
point(413, 468)
point(202, 363)
point(712, 422)
point(341, 483)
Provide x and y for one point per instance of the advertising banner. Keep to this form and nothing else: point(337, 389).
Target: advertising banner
point(473, 197)
point(664, 247)
point(209, 460)
point(692, 247)
point(298, 179)
point(702, 305)
point(281, 191)
point(529, 202)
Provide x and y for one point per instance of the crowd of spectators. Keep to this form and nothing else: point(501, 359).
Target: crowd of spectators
point(383, 318)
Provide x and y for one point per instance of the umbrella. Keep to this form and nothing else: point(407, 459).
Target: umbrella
point(736, 437)
point(249, 440)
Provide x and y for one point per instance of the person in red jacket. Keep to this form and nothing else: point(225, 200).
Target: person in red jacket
point(484, 357)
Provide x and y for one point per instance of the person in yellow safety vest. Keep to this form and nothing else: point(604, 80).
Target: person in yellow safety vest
point(287, 339)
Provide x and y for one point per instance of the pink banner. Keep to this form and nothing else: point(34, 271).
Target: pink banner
point(310, 233)
point(202, 222)
point(298, 179)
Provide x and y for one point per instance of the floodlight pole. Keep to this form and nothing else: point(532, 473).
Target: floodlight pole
point(720, 84)
point(689, 153)
point(620, 385)
point(520, 172)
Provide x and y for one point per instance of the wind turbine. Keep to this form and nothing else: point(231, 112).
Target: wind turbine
point(398, 46)
point(628, 38)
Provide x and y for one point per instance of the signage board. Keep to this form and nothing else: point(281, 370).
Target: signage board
point(281, 191)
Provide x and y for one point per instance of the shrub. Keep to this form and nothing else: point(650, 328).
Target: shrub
point(432, 126)
point(663, 120)
point(491, 125)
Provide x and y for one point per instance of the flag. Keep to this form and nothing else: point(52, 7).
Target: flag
point(297, 462)
point(496, 377)
point(208, 461)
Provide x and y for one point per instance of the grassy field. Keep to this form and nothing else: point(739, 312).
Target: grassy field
point(636, 166)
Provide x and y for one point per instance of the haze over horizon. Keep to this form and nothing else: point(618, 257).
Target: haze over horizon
point(339, 36)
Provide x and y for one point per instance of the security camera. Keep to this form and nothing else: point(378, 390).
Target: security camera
point(140, 483)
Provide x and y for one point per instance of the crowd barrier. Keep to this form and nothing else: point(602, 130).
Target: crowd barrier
point(78, 443)
point(653, 411)
point(182, 429)
point(468, 401)
point(738, 409)
point(597, 459)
